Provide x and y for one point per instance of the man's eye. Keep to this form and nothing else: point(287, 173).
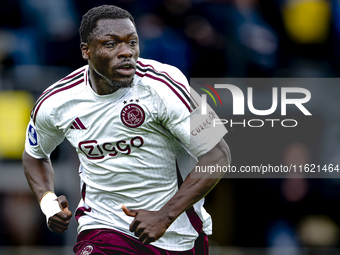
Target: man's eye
point(133, 42)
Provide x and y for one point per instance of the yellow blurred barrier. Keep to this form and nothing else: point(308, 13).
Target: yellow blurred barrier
point(307, 21)
point(15, 107)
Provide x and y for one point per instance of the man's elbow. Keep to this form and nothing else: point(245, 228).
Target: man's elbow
point(223, 152)
point(29, 162)
point(24, 158)
point(219, 155)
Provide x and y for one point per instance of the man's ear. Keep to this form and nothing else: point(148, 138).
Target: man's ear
point(85, 51)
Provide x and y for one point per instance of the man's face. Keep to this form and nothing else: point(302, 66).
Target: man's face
point(114, 50)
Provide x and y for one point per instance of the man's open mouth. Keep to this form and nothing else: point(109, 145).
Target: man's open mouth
point(126, 70)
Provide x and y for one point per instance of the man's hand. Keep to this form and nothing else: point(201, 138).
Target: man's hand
point(148, 226)
point(59, 222)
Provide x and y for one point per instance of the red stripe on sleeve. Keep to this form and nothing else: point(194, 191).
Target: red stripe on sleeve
point(55, 92)
point(72, 75)
point(169, 86)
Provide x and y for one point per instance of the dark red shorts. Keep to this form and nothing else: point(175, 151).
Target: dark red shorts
point(107, 241)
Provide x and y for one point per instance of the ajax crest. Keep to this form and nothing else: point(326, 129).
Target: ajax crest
point(132, 115)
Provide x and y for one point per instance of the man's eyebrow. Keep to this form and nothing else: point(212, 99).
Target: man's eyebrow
point(113, 35)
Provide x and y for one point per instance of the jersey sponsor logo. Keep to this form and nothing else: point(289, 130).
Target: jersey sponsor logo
point(93, 150)
point(77, 124)
point(32, 136)
point(132, 115)
point(87, 250)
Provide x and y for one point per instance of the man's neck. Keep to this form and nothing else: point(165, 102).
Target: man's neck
point(100, 84)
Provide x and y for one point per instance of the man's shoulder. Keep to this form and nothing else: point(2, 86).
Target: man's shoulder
point(165, 80)
point(143, 62)
point(157, 70)
point(77, 74)
point(59, 92)
point(158, 75)
point(77, 77)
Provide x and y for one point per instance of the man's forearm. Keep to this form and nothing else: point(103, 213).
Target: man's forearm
point(40, 177)
point(39, 174)
point(198, 185)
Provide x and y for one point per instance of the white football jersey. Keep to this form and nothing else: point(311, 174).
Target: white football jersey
point(128, 143)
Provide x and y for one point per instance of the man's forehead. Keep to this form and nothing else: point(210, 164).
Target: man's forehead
point(119, 27)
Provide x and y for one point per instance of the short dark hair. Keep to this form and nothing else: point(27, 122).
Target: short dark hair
point(89, 21)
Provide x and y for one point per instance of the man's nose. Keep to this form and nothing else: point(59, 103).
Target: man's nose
point(124, 51)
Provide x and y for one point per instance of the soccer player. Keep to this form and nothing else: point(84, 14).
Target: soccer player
point(134, 123)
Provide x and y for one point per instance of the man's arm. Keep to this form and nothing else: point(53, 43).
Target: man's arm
point(40, 176)
point(151, 225)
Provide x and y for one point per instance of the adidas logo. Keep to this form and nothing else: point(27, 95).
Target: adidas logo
point(77, 124)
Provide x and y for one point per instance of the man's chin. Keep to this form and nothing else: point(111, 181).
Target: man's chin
point(126, 83)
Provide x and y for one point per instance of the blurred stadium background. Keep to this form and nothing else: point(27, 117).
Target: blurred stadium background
point(39, 44)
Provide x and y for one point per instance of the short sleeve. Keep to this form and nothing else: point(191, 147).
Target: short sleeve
point(182, 116)
point(42, 137)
